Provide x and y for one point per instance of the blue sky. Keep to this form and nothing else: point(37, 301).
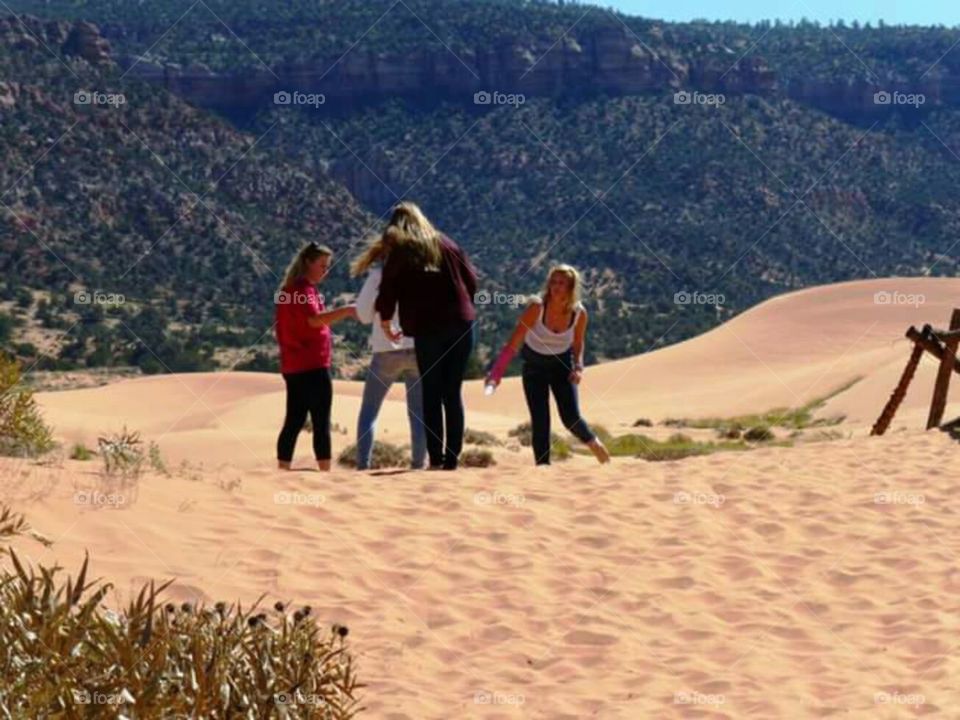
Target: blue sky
point(893, 12)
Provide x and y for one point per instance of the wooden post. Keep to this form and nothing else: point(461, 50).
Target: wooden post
point(939, 402)
point(930, 344)
point(900, 391)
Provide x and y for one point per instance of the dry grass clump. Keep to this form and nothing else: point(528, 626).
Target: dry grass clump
point(480, 437)
point(23, 432)
point(122, 454)
point(385, 455)
point(63, 655)
point(477, 457)
point(559, 448)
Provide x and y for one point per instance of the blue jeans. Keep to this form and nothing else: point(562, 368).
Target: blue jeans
point(385, 369)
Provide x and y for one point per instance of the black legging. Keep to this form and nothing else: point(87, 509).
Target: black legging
point(307, 392)
point(442, 361)
point(541, 375)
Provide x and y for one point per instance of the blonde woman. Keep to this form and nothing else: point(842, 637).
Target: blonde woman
point(433, 283)
point(392, 361)
point(552, 333)
point(303, 333)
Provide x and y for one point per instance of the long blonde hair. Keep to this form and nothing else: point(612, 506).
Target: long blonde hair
point(576, 283)
point(376, 251)
point(409, 231)
point(298, 266)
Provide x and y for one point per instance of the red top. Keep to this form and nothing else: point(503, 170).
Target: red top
point(302, 347)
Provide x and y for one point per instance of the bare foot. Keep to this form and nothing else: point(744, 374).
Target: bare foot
point(324, 465)
point(599, 451)
point(283, 465)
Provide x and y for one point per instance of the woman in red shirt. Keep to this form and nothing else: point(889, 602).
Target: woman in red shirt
point(303, 333)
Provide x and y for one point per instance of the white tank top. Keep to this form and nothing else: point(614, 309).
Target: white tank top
point(545, 341)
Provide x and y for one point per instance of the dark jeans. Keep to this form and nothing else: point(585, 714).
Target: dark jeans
point(541, 375)
point(307, 392)
point(442, 361)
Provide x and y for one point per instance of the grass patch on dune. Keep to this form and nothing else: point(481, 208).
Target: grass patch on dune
point(793, 418)
point(23, 433)
point(62, 654)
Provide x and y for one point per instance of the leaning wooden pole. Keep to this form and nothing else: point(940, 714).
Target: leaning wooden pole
point(939, 402)
point(900, 391)
point(930, 343)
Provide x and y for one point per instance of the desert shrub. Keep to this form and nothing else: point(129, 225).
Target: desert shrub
point(79, 451)
point(643, 422)
point(122, 454)
point(758, 433)
point(477, 457)
point(23, 432)
point(61, 653)
point(156, 459)
point(730, 432)
point(559, 448)
point(480, 437)
point(385, 455)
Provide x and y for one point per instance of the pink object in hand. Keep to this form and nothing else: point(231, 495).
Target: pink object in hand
point(501, 364)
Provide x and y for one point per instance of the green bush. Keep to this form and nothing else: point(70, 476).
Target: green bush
point(479, 437)
point(23, 432)
point(559, 448)
point(60, 649)
point(79, 451)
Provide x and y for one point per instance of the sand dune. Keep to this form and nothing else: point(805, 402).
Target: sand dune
point(812, 581)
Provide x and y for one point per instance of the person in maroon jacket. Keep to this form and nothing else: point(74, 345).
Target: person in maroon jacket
point(303, 333)
point(434, 284)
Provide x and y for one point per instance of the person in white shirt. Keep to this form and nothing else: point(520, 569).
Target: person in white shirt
point(392, 361)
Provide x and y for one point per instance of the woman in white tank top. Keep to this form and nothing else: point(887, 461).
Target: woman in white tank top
point(552, 334)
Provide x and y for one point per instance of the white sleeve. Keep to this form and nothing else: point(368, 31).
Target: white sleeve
point(368, 298)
